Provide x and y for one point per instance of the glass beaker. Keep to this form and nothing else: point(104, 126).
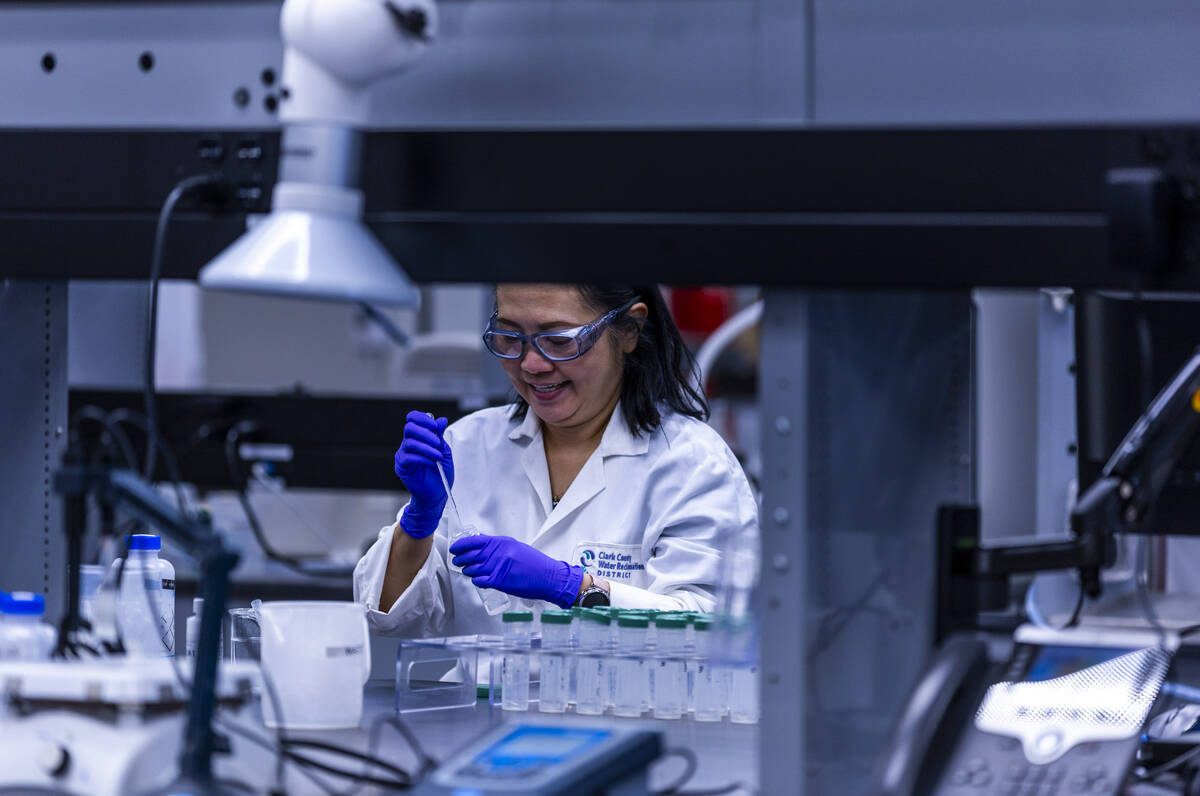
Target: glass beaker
point(245, 635)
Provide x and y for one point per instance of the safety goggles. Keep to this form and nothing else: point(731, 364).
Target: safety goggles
point(560, 346)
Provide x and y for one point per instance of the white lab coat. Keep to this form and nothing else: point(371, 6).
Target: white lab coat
point(647, 513)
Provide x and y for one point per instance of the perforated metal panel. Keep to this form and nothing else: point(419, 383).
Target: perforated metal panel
point(33, 405)
point(866, 429)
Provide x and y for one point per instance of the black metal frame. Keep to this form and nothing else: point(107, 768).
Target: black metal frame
point(357, 456)
point(910, 208)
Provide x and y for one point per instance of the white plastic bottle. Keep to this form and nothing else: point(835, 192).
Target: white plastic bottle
point(23, 634)
point(630, 674)
point(556, 649)
point(669, 681)
point(514, 672)
point(192, 629)
point(146, 606)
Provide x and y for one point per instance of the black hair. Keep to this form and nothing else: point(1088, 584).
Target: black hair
point(659, 373)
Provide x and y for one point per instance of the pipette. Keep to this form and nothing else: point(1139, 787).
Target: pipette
point(494, 602)
point(458, 523)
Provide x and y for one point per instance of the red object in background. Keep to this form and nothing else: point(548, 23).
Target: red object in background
point(698, 311)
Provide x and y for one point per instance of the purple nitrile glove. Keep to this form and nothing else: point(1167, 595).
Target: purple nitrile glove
point(423, 447)
point(501, 562)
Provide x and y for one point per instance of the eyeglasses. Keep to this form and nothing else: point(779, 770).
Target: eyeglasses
point(558, 346)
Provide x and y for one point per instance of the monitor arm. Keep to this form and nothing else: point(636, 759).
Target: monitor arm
point(1122, 500)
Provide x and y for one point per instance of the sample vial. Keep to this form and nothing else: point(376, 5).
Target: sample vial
point(494, 602)
point(629, 677)
point(669, 676)
point(708, 682)
point(514, 664)
point(592, 687)
point(743, 695)
point(556, 658)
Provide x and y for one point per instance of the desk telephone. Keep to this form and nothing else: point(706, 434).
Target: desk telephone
point(1062, 716)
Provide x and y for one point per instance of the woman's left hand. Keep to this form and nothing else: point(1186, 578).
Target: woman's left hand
point(501, 562)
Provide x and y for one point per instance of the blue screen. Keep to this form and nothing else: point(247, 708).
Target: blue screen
point(529, 748)
point(1054, 662)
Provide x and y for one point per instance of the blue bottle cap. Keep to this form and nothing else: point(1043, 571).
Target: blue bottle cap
point(143, 541)
point(27, 603)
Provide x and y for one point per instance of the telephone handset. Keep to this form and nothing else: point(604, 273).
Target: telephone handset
point(1064, 718)
point(944, 698)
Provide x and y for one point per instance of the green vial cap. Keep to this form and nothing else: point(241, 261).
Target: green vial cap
point(553, 617)
point(592, 615)
point(670, 622)
point(703, 624)
point(632, 620)
point(577, 611)
point(517, 616)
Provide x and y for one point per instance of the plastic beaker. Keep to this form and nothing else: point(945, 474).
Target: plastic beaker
point(316, 656)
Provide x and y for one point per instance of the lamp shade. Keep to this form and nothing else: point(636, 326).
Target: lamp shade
point(311, 254)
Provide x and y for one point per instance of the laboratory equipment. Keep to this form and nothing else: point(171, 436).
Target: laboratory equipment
point(314, 243)
point(90, 578)
point(514, 662)
point(437, 673)
point(192, 630)
point(1065, 712)
point(744, 688)
point(555, 692)
point(534, 759)
point(494, 602)
point(146, 605)
point(23, 634)
point(593, 687)
point(630, 673)
point(710, 688)
point(245, 635)
point(668, 685)
point(317, 657)
point(106, 727)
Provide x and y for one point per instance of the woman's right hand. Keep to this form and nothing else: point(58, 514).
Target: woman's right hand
point(424, 446)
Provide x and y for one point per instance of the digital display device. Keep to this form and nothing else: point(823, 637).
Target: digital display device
point(1054, 661)
point(527, 750)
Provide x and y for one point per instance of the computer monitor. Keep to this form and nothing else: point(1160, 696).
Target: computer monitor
point(1127, 347)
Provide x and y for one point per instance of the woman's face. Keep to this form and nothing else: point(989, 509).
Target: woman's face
point(562, 394)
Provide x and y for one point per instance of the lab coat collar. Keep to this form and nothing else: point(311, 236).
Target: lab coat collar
point(618, 439)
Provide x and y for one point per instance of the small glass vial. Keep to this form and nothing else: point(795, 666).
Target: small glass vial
point(669, 697)
point(556, 657)
point(592, 688)
point(630, 672)
point(743, 695)
point(494, 602)
point(709, 682)
point(514, 665)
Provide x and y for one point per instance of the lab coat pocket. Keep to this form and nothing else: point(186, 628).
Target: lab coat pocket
point(622, 563)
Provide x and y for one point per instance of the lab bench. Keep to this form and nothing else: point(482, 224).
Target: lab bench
point(725, 753)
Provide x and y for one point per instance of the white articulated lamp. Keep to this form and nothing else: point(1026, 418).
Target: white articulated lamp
point(314, 244)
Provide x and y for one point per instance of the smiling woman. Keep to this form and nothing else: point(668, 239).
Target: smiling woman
point(612, 490)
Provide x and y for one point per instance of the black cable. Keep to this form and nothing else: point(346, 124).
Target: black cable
point(123, 415)
point(690, 764)
point(1187, 631)
point(402, 781)
point(239, 484)
point(160, 236)
point(1171, 765)
point(118, 437)
point(689, 771)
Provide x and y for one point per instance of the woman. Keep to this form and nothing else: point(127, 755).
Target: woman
point(600, 484)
